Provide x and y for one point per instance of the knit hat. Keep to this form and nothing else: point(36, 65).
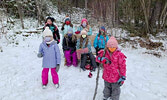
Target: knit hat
point(84, 32)
point(47, 32)
point(84, 19)
point(112, 43)
point(67, 19)
point(103, 28)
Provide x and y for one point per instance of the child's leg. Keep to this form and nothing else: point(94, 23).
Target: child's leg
point(115, 91)
point(83, 60)
point(107, 90)
point(45, 76)
point(74, 59)
point(68, 57)
point(55, 77)
point(92, 58)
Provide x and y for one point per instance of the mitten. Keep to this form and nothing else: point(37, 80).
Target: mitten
point(57, 67)
point(39, 55)
point(121, 80)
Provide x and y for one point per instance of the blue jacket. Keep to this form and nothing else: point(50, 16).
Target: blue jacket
point(80, 28)
point(83, 45)
point(100, 42)
point(66, 28)
point(51, 55)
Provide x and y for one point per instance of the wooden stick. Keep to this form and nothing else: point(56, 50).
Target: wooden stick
point(97, 79)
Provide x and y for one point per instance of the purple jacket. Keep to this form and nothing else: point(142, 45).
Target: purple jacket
point(51, 55)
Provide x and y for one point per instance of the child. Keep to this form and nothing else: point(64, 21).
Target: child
point(100, 40)
point(84, 25)
point(84, 48)
point(66, 26)
point(114, 72)
point(69, 48)
point(53, 28)
point(49, 50)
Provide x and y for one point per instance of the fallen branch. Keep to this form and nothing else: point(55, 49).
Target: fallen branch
point(97, 80)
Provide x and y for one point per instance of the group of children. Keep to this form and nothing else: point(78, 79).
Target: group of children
point(79, 49)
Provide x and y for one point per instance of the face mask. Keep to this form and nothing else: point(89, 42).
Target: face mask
point(69, 34)
point(83, 36)
point(102, 32)
point(47, 39)
point(84, 24)
point(67, 22)
point(112, 49)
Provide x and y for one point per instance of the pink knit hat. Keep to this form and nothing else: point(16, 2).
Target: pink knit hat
point(112, 43)
point(84, 32)
point(84, 19)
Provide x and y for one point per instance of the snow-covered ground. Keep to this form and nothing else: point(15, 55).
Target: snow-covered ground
point(20, 76)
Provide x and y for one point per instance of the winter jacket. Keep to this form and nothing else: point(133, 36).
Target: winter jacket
point(80, 28)
point(116, 69)
point(55, 31)
point(68, 44)
point(83, 44)
point(51, 54)
point(66, 28)
point(100, 41)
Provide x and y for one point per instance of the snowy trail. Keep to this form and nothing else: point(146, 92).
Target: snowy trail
point(20, 76)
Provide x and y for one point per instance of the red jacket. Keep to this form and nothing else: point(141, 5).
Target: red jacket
point(112, 72)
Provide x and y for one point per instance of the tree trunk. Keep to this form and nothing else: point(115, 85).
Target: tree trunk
point(19, 7)
point(38, 7)
point(86, 8)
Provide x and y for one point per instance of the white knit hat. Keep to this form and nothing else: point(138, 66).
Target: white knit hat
point(47, 32)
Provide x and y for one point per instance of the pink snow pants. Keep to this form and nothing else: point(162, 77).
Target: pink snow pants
point(54, 74)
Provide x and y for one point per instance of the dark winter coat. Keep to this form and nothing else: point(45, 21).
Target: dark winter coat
point(55, 31)
point(69, 43)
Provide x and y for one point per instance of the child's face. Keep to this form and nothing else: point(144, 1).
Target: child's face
point(48, 38)
point(49, 22)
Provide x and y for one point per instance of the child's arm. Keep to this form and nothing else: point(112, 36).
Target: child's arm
point(89, 45)
point(41, 53)
point(58, 56)
point(90, 31)
point(65, 45)
point(95, 42)
point(122, 64)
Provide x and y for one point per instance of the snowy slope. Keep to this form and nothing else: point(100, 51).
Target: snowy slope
point(20, 76)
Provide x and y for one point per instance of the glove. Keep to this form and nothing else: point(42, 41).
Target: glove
point(104, 60)
point(62, 28)
point(58, 41)
point(39, 55)
point(72, 50)
point(77, 32)
point(57, 67)
point(97, 48)
point(121, 80)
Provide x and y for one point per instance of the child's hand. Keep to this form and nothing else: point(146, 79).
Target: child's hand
point(104, 60)
point(39, 55)
point(57, 67)
point(121, 80)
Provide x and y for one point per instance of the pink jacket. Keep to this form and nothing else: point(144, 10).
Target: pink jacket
point(112, 72)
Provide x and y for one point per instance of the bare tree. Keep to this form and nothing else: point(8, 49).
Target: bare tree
point(20, 11)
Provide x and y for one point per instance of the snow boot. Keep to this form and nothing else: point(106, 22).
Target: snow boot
point(44, 86)
point(57, 85)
